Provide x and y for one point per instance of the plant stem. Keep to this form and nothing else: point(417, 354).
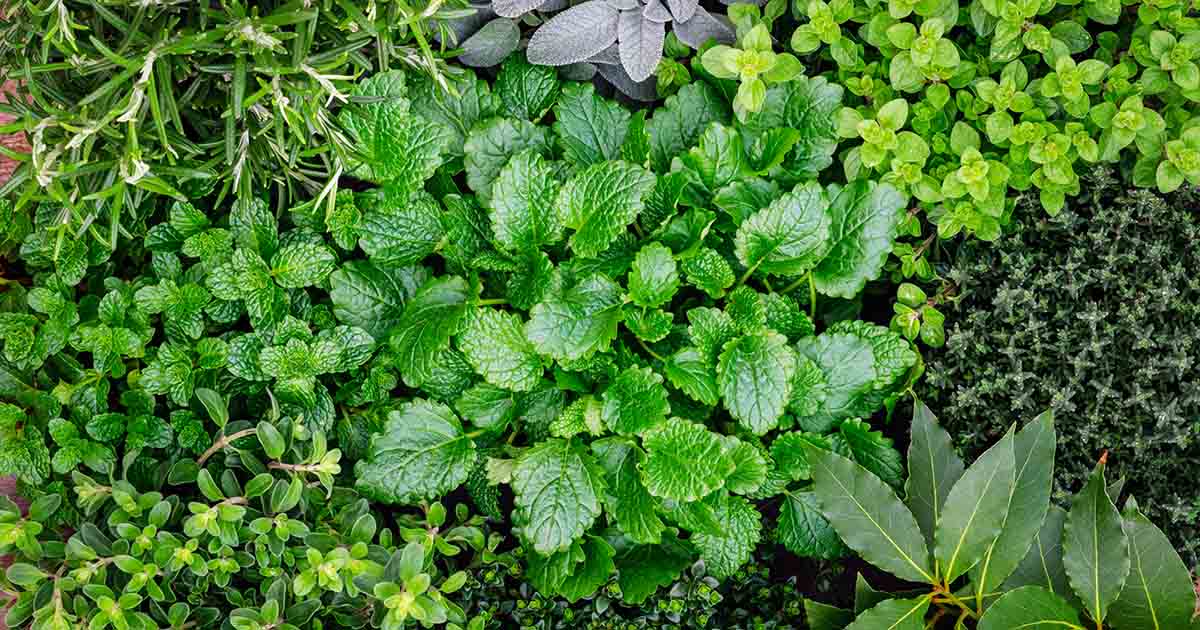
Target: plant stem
point(492, 302)
point(222, 443)
point(648, 350)
point(812, 297)
point(746, 276)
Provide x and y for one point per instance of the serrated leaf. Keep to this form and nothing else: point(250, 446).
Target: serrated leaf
point(648, 324)
point(788, 237)
point(693, 375)
point(865, 220)
point(653, 279)
point(1159, 593)
point(1030, 607)
point(398, 229)
point(869, 516)
point(709, 272)
point(873, 451)
point(754, 374)
point(577, 322)
point(804, 531)
point(421, 454)
point(299, 265)
point(526, 90)
point(750, 467)
point(975, 510)
point(558, 489)
point(643, 569)
point(635, 401)
point(677, 125)
point(600, 201)
point(592, 573)
point(590, 129)
point(490, 145)
point(488, 407)
point(1095, 547)
point(575, 34)
point(372, 297)
point(523, 212)
point(790, 455)
point(719, 159)
point(809, 105)
point(684, 461)
point(428, 322)
point(627, 499)
point(741, 525)
point(396, 146)
point(494, 343)
point(473, 103)
point(933, 469)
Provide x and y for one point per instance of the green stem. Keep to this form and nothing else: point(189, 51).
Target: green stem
point(492, 302)
point(812, 297)
point(746, 276)
point(474, 434)
point(648, 350)
point(795, 285)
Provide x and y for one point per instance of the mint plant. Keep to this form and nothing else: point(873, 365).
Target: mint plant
point(1027, 562)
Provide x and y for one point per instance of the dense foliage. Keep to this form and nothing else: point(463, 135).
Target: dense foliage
point(1091, 314)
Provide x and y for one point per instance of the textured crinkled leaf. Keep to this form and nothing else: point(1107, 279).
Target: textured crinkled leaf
point(592, 573)
point(788, 237)
point(399, 231)
point(523, 211)
point(1095, 547)
point(866, 217)
point(684, 461)
point(754, 374)
point(429, 320)
point(746, 309)
point(494, 343)
point(473, 103)
point(740, 199)
point(677, 125)
point(643, 569)
point(808, 105)
point(860, 364)
point(933, 469)
point(693, 375)
point(600, 202)
point(491, 44)
point(488, 407)
point(1159, 593)
point(648, 324)
point(492, 143)
point(710, 330)
point(635, 401)
point(719, 159)
point(372, 297)
point(975, 510)
point(528, 284)
point(1034, 451)
point(1031, 607)
point(589, 128)
point(396, 146)
point(790, 456)
point(578, 321)
point(785, 317)
point(299, 265)
point(575, 34)
point(640, 44)
point(869, 516)
point(527, 91)
point(627, 499)
point(653, 279)
point(893, 614)
point(558, 489)
point(750, 467)
point(804, 532)
point(873, 451)
point(709, 272)
point(742, 526)
point(421, 454)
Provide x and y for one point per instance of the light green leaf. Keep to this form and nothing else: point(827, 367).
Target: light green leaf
point(494, 343)
point(421, 454)
point(893, 614)
point(558, 488)
point(575, 323)
point(788, 237)
point(933, 468)
point(395, 145)
point(975, 510)
point(741, 527)
point(750, 466)
point(635, 401)
point(865, 219)
point(684, 461)
point(590, 129)
point(754, 374)
point(1031, 607)
point(688, 371)
point(1159, 594)
point(430, 319)
point(302, 264)
point(653, 279)
point(599, 203)
point(872, 451)
point(627, 499)
point(869, 516)
point(523, 212)
point(1095, 547)
point(720, 159)
point(809, 105)
point(459, 112)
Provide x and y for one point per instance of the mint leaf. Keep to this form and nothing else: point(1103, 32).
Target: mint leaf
point(741, 525)
point(627, 499)
point(865, 220)
point(682, 118)
point(421, 454)
point(523, 212)
point(635, 401)
point(693, 375)
point(788, 237)
point(653, 279)
point(577, 322)
point(302, 264)
point(429, 320)
point(684, 461)
point(370, 296)
point(809, 105)
point(590, 129)
point(599, 202)
point(804, 531)
point(395, 145)
point(558, 488)
point(754, 375)
point(527, 91)
point(494, 343)
point(399, 229)
point(492, 143)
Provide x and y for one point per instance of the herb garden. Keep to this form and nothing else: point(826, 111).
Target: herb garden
point(611, 314)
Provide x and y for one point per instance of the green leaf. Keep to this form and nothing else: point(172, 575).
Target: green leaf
point(893, 614)
point(1095, 547)
point(754, 374)
point(708, 271)
point(429, 320)
point(720, 159)
point(592, 573)
point(869, 516)
point(1034, 450)
point(804, 531)
point(372, 297)
point(975, 510)
point(590, 129)
point(599, 203)
point(422, 454)
point(627, 499)
point(302, 264)
point(788, 237)
point(1159, 593)
point(527, 91)
point(395, 145)
point(492, 143)
point(23, 450)
point(741, 527)
point(684, 461)
point(1043, 563)
point(682, 118)
point(825, 617)
point(523, 211)
point(688, 371)
point(653, 279)
point(577, 322)
point(1031, 607)
point(558, 488)
point(488, 407)
point(750, 466)
point(862, 364)
point(473, 103)
point(494, 343)
point(643, 569)
point(791, 458)
point(873, 451)
point(933, 468)
point(635, 401)
point(865, 219)
point(398, 229)
point(809, 105)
